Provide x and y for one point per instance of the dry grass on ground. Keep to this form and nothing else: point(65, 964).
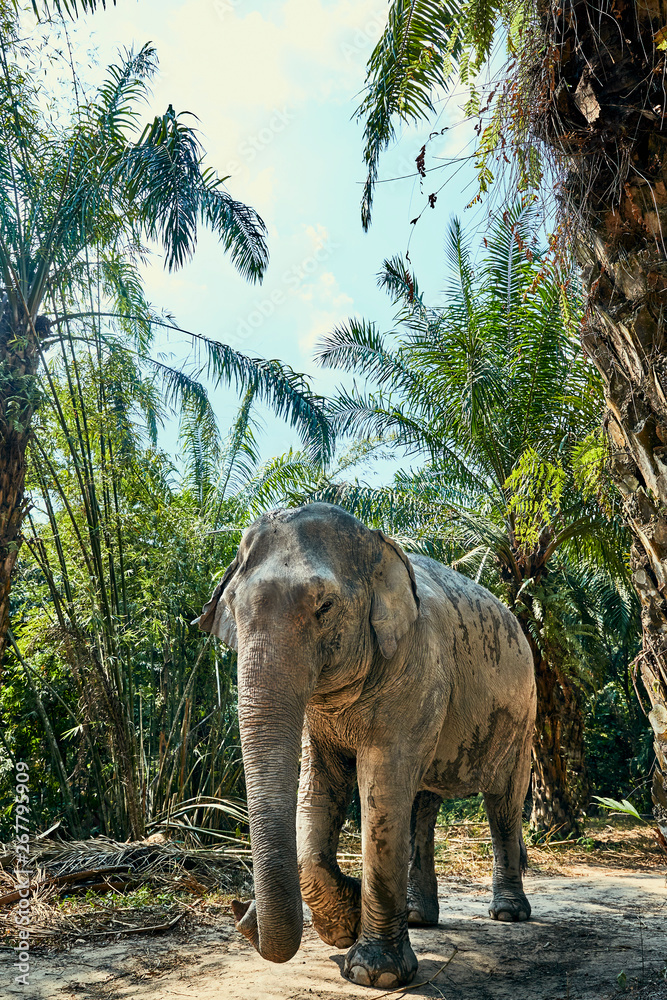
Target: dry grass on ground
point(97, 889)
point(463, 850)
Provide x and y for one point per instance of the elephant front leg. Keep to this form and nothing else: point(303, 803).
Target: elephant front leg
point(325, 789)
point(382, 956)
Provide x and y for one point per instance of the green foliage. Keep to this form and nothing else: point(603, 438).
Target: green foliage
point(534, 489)
point(618, 748)
point(424, 45)
point(123, 709)
point(122, 557)
point(624, 807)
point(123, 550)
point(70, 8)
point(469, 810)
point(414, 55)
point(494, 393)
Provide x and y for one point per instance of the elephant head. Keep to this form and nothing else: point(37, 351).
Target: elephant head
point(311, 601)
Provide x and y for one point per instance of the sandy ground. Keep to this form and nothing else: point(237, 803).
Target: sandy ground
point(586, 929)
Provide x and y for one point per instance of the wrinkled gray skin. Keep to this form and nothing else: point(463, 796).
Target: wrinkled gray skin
point(401, 669)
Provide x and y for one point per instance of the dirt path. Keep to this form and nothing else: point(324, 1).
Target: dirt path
point(587, 929)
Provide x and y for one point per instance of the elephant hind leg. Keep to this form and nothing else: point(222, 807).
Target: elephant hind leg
point(510, 858)
point(422, 882)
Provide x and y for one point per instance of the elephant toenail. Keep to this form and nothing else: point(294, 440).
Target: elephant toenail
point(360, 976)
point(504, 915)
point(386, 979)
point(523, 915)
point(344, 942)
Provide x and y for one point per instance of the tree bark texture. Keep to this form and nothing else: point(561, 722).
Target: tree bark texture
point(601, 106)
point(559, 783)
point(18, 367)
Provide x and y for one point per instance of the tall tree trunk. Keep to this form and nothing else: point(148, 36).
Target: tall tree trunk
point(602, 108)
point(559, 784)
point(18, 366)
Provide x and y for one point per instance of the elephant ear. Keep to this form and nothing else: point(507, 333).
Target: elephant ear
point(395, 601)
point(216, 617)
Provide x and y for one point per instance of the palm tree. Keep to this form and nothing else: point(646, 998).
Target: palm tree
point(584, 86)
point(79, 199)
point(491, 390)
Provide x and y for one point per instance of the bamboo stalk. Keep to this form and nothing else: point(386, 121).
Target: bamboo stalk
point(53, 746)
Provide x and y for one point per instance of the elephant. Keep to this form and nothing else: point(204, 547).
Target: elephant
point(355, 660)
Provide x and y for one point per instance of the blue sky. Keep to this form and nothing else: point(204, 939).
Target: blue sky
point(274, 84)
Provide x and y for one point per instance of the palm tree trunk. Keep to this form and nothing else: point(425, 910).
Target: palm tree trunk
point(12, 479)
point(559, 784)
point(602, 108)
point(18, 366)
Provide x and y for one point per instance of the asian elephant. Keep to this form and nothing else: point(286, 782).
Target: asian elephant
point(362, 660)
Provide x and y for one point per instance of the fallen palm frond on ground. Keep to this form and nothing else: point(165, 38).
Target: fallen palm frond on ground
point(96, 888)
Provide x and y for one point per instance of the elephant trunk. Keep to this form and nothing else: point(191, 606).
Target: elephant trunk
point(271, 712)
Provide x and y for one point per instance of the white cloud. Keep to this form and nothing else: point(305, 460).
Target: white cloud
point(306, 49)
point(327, 306)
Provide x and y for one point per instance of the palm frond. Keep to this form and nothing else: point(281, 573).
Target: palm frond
point(400, 283)
point(199, 438)
point(290, 479)
point(285, 390)
point(240, 453)
point(113, 110)
point(358, 346)
point(123, 289)
point(240, 229)
point(185, 395)
point(163, 177)
point(396, 510)
point(412, 59)
point(458, 256)
point(69, 8)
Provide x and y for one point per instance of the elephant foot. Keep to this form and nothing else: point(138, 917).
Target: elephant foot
point(245, 917)
point(509, 908)
point(417, 917)
point(374, 963)
point(423, 911)
point(336, 913)
point(337, 931)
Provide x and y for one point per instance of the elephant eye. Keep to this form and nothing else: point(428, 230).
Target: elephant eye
point(323, 608)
